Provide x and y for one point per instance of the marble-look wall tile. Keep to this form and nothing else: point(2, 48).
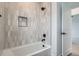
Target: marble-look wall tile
point(2, 27)
point(38, 23)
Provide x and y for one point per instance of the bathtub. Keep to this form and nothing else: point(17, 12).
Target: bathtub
point(34, 49)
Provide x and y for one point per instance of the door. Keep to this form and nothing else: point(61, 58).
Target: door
point(66, 30)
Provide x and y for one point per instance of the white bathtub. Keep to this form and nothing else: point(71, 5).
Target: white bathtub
point(26, 50)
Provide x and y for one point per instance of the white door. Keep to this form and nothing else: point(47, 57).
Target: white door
point(66, 31)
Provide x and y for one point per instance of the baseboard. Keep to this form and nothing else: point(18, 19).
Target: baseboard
point(68, 52)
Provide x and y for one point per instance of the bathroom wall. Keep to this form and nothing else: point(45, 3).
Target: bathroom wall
point(2, 27)
point(38, 23)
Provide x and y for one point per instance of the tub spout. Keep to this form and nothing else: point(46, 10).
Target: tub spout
point(43, 40)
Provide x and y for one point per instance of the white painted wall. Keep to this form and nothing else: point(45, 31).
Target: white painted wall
point(56, 48)
point(59, 28)
point(54, 29)
point(75, 28)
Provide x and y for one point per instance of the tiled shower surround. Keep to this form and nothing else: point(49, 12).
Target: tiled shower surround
point(38, 23)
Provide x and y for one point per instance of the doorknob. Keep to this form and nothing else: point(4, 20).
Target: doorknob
point(63, 33)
